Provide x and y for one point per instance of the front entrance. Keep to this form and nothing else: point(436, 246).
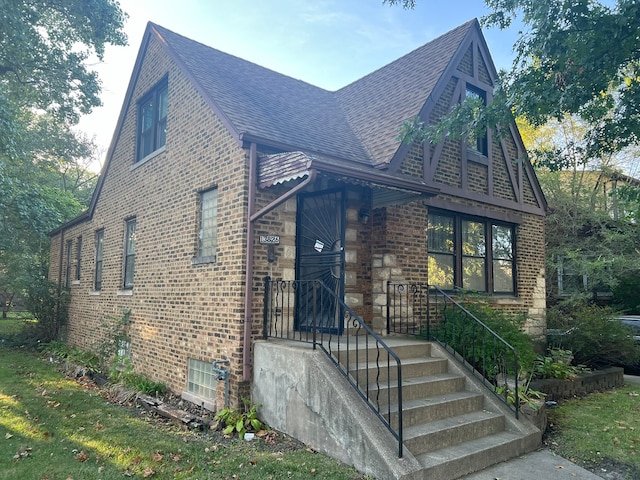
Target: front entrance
point(320, 256)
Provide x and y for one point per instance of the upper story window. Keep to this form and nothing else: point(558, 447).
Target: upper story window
point(78, 258)
point(470, 253)
point(208, 235)
point(476, 142)
point(152, 120)
point(129, 253)
point(97, 283)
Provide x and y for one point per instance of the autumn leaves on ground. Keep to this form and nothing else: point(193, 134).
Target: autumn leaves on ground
point(55, 428)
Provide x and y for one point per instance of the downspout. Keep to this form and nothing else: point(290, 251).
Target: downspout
point(251, 218)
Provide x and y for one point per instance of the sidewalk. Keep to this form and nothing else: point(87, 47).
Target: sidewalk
point(538, 465)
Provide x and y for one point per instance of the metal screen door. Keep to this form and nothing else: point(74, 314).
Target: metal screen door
point(320, 256)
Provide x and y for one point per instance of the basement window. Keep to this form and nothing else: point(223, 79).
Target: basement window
point(201, 380)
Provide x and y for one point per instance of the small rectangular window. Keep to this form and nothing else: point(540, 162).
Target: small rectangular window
point(67, 278)
point(152, 121)
point(97, 285)
point(208, 235)
point(477, 142)
point(201, 380)
point(78, 258)
point(129, 253)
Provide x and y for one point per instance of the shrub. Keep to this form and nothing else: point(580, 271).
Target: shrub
point(594, 338)
point(626, 294)
point(459, 331)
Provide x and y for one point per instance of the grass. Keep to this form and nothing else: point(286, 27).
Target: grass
point(600, 431)
point(52, 427)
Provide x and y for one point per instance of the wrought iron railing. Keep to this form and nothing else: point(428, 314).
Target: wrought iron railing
point(308, 311)
point(426, 311)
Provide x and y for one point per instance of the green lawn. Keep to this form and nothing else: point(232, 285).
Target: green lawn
point(600, 431)
point(52, 427)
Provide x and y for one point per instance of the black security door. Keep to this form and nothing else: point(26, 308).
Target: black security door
point(320, 256)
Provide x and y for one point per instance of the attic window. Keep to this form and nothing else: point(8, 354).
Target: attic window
point(475, 142)
point(152, 120)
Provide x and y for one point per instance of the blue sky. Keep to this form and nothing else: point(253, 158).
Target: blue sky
point(328, 43)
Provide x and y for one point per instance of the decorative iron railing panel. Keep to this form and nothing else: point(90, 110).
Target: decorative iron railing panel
point(426, 311)
point(293, 310)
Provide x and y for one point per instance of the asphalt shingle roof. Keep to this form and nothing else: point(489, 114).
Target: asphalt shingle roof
point(358, 123)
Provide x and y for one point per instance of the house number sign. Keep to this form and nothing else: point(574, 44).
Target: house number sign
point(270, 239)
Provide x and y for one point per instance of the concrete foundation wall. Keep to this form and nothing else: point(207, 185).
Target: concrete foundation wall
point(303, 395)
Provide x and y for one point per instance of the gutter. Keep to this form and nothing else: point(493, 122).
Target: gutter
point(251, 218)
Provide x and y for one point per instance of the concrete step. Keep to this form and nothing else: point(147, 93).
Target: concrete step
point(419, 387)
point(453, 462)
point(371, 372)
point(435, 408)
point(368, 352)
point(432, 436)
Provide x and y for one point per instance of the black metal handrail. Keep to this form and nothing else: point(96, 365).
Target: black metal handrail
point(426, 311)
point(291, 312)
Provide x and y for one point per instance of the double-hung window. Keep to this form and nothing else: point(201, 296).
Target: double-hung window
point(471, 254)
point(152, 120)
point(208, 235)
point(97, 283)
point(129, 253)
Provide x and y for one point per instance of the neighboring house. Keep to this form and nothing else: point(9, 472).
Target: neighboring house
point(222, 172)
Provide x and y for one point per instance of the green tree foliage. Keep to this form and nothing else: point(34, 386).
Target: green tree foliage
point(592, 231)
point(577, 58)
point(46, 84)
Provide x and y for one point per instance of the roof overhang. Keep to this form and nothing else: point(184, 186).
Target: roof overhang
point(388, 187)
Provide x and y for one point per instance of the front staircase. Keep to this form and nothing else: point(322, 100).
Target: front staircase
point(338, 391)
point(451, 425)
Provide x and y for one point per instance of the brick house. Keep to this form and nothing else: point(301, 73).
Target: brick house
point(222, 172)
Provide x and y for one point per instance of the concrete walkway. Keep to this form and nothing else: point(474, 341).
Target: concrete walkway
point(538, 465)
point(541, 464)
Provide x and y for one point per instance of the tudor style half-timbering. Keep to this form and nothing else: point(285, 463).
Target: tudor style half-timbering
point(222, 172)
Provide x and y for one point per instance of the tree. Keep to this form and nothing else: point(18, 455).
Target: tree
point(577, 58)
point(45, 46)
point(46, 84)
point(592, 231)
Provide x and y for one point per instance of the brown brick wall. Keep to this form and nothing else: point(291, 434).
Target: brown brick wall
point(178, 310)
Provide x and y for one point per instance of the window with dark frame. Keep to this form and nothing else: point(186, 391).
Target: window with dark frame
point(152, 120)
point(475, 142)
point(129, 253)
point(471, 254)
point(67, 278)
point(78, 258)
point(208, 235)
point(97, 284)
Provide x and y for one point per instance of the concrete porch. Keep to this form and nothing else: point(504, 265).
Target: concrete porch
point(452, 425)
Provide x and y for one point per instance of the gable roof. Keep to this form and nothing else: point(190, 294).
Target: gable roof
point(377, 104)
point(358, 123)
point(353, 131)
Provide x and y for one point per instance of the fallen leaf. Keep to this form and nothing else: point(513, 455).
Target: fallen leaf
point(559, 467)
point(136, 460)
point(148, 472)
point(157, 457)
point(8, 436)
point(81, 456)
